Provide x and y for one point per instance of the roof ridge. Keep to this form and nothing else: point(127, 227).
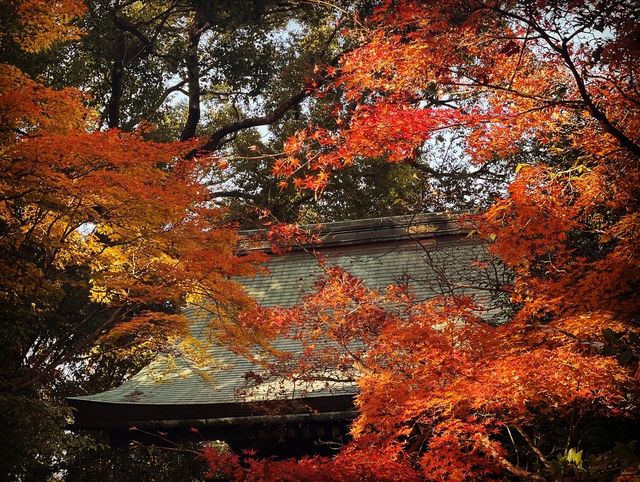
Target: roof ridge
point(371, 230)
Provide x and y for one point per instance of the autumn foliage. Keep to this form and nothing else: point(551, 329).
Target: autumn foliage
point(440, 388)
point(102, 233)
point(443, 394)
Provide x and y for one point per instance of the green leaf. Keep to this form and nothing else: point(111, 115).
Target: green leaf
point(575, 457)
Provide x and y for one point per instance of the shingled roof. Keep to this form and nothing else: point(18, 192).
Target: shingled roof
point(420, 250)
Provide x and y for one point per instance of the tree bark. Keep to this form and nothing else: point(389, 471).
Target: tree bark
point(193, 79)
point(117, 80)
point(215, 141)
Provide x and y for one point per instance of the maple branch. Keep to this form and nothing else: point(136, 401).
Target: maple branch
point(597, 114)
point(491, 450)
point(147, 43)
point(359, 363)
point(510, 90)
point(595, 344)
point(323, 378)
point(520, 57)
point(565, 55)
point(221, 93)
point(533, 446)
point(618, 88)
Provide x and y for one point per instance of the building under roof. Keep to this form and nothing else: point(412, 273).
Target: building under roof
point(173, 397)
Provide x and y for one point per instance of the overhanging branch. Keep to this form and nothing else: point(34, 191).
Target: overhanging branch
point(215, 140)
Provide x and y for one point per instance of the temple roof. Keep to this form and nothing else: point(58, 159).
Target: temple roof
point(421, 251)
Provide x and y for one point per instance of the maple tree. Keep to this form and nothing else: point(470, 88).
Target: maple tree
point(109, 212)
point(443, 394)
point(103, 226)
point(104, 235)
point(107, 234)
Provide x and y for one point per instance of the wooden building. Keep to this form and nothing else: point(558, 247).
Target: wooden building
point(171, 396)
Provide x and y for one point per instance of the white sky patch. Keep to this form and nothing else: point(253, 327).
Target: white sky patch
point(85, 229)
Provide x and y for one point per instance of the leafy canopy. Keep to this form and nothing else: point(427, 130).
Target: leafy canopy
point(444, 395)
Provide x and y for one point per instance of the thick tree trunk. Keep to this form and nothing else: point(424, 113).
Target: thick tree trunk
point(117, 81)
point(193, 81)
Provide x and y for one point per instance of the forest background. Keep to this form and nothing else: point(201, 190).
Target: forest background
point(137, 137)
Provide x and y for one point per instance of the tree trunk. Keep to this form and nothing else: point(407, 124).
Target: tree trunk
point(193, 79)
point(117, 80)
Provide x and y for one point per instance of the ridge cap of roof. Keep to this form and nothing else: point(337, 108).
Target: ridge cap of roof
point(369, 230)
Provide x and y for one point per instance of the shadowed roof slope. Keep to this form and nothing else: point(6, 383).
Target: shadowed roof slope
point(417, 250)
